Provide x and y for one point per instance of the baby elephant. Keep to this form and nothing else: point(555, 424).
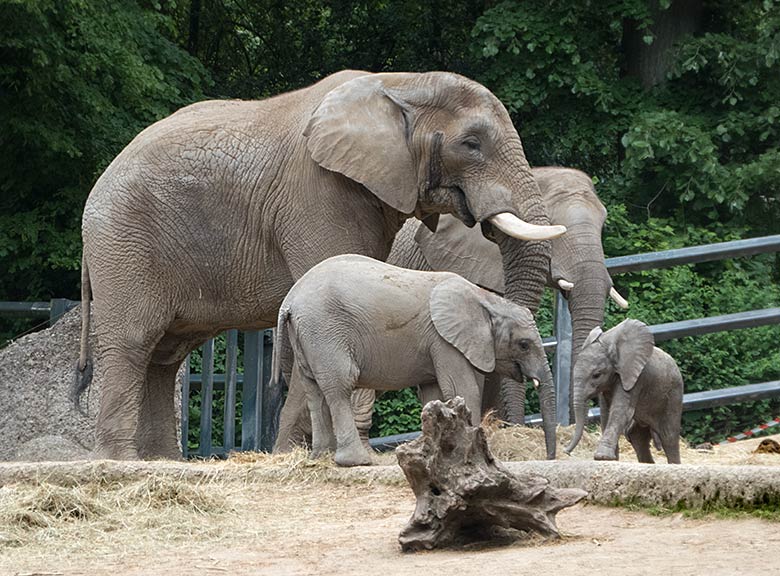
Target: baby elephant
point(642, 386)
point(355, 322)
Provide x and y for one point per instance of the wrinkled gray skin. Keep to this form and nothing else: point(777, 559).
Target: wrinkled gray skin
point(577, 257)
point(642, 385)
point(355, 322)
point(206, 219)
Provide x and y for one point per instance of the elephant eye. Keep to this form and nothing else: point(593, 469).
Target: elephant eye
point(523, 345)
point(472, 144)
point(596, 375)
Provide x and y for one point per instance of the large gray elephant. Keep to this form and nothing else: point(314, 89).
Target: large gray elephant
point(204, 221)
point(642, 386)
point(355, 322)
point(576, 267)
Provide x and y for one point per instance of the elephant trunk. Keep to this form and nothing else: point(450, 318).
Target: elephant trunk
point(525, 263)
point(512, 395)
point(586, 305)
point(580, 417)
point(549, 419)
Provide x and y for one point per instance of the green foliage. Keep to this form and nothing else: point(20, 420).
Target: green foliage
point(78, 80)
point(396, 413)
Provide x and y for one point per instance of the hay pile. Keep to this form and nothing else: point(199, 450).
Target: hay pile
point(163, 504)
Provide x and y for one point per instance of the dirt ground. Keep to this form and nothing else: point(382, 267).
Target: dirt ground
point(316, 529)
point(298, 520)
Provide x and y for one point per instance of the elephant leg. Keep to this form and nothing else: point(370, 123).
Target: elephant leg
point(337, 385)
point(603, 411)
point(429, 393)
point(456, 377)
point(620, 416)
point(123, 376)
point(639, 436)
point(292, 419)
point(670, 441)
point(322, 437)
point(512, 407)
point(363, 411)
point(157, 436)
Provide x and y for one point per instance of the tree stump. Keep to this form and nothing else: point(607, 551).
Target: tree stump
point(463, 493)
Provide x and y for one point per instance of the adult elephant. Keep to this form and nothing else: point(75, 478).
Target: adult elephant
point(576, 267)
point(204, 221)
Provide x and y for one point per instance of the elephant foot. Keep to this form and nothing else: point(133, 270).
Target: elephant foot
point(355, 455)
point(605, 453)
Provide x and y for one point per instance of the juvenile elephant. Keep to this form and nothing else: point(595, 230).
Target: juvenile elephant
point(207, 218)
point(642, 385)
point(355, 322)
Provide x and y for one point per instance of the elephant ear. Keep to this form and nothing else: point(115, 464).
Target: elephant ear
point(459, 317)
point(360, 130)
point(454, 247)
point(631, 345)
point(592, 337)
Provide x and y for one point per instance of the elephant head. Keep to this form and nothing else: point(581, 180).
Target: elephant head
point(607, 360)
point(495, 335)
point(434, 143)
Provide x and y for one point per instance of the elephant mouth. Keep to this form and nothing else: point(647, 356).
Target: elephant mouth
point(461, 207)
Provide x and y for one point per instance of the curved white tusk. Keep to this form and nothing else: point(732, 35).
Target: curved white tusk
point(536, 382)
point(516, 228)
point(565, 284)
point(617, 298)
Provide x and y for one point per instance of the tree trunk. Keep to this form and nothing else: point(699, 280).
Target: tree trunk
point(463, 493)
point(651, 62)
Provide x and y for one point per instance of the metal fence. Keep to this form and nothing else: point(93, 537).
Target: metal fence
point(243, 413)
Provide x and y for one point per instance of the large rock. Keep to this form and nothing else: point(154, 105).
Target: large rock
point(39, 420)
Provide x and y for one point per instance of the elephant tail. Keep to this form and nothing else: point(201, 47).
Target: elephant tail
point(275, 385)
point(83, 373)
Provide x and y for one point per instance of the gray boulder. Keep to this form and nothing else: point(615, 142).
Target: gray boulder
point(38, 420)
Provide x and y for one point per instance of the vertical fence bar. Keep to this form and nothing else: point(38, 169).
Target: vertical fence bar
point(271, 403)
point(261, 402)
point(206, 397)
point(252, 374)
point(562, 362)
point(185, 408)
point(231, 357)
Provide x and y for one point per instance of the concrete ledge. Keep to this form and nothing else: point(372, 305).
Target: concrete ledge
point(610, 483)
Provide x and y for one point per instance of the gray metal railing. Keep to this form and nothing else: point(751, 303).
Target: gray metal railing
point(53, 309)
point(243, 394)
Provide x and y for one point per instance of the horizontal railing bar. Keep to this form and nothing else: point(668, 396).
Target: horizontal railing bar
point(699, 326)
point(694, 254)
point(34, 309)
point(746, 393)
point(691, 401)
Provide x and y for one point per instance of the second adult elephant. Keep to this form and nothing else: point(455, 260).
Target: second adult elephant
point(207, 218)
point(577, 265)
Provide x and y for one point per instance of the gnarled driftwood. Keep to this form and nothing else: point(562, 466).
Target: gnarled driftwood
point(462, 492)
